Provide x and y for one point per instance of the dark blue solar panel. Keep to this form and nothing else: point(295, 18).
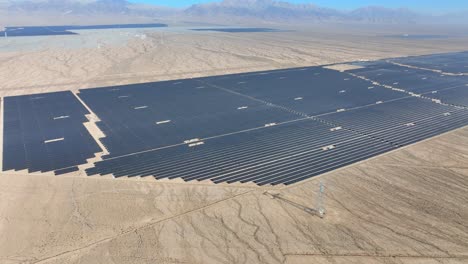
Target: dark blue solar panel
point(238, 30)
point(402, 122)
point(65, 171)
point(408, 79)
point(34, 31)
point(65, 30)
point(45, 132)
point(185, 110)
point(457, 96)
point(280, 154)
point(456, 62)
point(312, 91)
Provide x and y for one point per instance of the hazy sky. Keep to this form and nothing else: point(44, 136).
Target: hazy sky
point(433, 6)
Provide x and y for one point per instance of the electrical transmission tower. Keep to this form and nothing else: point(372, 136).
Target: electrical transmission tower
point(320, 208)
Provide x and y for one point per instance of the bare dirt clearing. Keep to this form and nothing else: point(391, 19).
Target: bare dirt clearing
point(110, 57)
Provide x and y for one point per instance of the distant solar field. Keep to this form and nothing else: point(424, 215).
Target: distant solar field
point(28, 31)
point(237, 30)
point(271, 127)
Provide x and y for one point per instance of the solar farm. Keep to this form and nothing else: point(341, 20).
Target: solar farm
point(29, 31)
point(268, 128)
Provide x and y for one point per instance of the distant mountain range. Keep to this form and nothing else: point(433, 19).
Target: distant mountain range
point(231, 11)
point(262, 10)
point(86, 7)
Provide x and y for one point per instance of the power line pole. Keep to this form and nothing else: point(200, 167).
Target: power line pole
point(318, 210)
point(320, 204)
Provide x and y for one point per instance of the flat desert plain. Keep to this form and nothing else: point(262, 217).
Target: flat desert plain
point(109, 57)
point(407, 206)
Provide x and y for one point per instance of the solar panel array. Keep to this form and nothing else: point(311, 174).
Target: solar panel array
point(455, 63)
point(409, 79)
point(141, 117)
point(312, 91)
point(272, 127)
point(45, 132)
point(283, 154)
point(403, 121)
point(337, 119)
point(457, 96)
point(65, 30)
point(237, 30)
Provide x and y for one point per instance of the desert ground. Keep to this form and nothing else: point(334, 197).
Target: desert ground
point(109, 57)
point(408, 206)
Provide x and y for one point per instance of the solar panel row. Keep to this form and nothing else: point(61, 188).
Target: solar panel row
point(39, 31)
point(142, 117)
point(280, 154)
point(457, 96)
point(402, 122)
point(45, 132)
point(455, 63)
point(409, 79)
point(447, 88)
point(237, 30)
point(312, 91)
point(65, 30)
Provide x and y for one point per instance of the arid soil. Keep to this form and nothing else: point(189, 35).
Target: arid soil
point(110, 57)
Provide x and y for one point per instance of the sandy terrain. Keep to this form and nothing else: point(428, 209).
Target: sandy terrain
point(38, 64)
